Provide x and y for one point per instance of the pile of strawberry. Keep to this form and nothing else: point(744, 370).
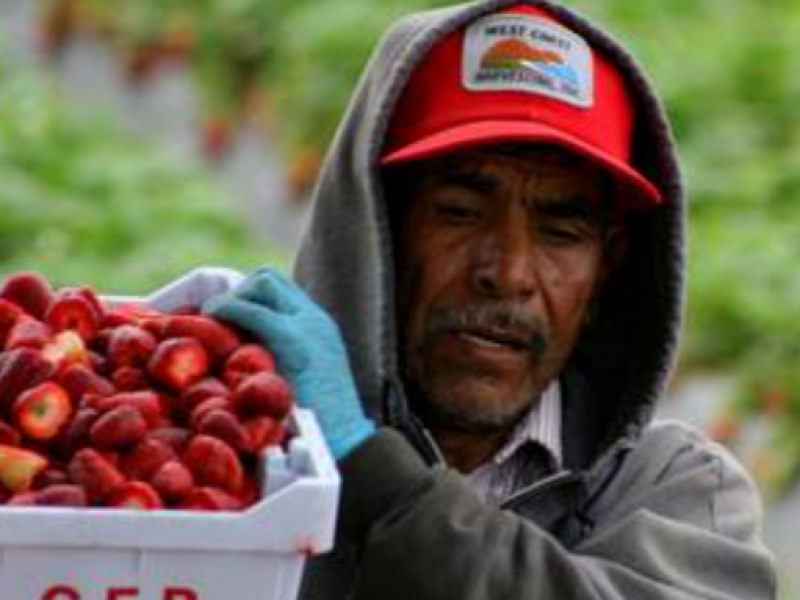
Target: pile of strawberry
point(124, 406)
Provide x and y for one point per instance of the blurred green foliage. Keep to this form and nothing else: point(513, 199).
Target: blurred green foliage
point(83, 203)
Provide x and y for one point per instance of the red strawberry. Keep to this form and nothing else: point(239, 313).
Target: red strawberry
point(245, 361)
point(65, 349)
point(146, 402)
point(178, 363)
point(263, 394)
point(213, 463)
point(222, 424)
point(249, 493)
point(145, 458)
point(8, 435)
point(18, 468)
point(204, 389)
point(78, 379)
point(172, 480)
point(210, 499)
point(62, 494)
point(88, 294)
point(130, 345)
point(42, 411)
point(29, 291)
point(205, 407)
point(118, 428)
point(130, 313)
point(27, 498)
point(21, 369)
point(219, 340)
point(176, 438)
point(263, 432)
point(130, 379)
point(76, 431)
point(95, 473)
point(50, 477)
point(72, 309)
point(9, 313)
point(135, 495)
point(27, 332)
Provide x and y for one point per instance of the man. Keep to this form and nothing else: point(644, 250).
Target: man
point(498, 233)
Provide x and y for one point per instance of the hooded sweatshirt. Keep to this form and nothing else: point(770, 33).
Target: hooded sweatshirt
point(642, 509)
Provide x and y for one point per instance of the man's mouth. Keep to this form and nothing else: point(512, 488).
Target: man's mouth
point(495, 339)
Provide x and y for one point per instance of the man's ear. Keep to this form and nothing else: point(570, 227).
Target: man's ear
point(615, 250)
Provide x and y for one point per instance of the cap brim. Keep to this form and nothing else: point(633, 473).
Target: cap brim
point(637, 191)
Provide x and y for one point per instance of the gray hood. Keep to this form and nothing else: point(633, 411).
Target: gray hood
point(345, 260)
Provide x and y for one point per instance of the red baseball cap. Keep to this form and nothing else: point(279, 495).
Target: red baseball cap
point(519, 76)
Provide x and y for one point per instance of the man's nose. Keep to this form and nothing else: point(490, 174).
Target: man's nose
point(504, 263)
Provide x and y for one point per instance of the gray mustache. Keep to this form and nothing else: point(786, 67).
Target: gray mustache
point(499, 316)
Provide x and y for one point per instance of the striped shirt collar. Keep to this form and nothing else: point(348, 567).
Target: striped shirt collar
point(542, 424)
point(495, 479)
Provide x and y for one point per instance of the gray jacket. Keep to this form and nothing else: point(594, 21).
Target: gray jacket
point(643, 511)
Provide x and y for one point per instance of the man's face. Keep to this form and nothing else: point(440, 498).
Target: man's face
point(501, 254)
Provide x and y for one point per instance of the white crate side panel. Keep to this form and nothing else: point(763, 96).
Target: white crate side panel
point(36, 574)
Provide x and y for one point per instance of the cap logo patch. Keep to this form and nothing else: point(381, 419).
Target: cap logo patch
point(524, 53)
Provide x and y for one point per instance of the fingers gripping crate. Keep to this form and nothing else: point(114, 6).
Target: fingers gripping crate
point(105, 554)
point(112, 554)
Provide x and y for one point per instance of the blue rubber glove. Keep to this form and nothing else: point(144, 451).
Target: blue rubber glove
point(308, 349)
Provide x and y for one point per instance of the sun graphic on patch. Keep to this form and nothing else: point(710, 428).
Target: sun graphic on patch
point(511, 55)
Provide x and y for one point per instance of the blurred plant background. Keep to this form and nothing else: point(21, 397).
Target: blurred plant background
point(83, 201)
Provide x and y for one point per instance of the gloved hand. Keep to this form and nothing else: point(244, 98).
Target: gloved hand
point(308, 349)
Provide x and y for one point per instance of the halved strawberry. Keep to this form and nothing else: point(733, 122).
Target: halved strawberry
point(42, 411)
point(19, 467)
point(71, 309)
point(21, 369)
point(65, 349)
point(178, 363)
point(30, 291)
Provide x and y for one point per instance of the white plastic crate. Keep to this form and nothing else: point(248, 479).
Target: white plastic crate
point(106, 554)
point(112, 554)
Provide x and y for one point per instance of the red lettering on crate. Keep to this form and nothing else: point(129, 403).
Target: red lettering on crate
point(122, 593)
point(61, 592)
point(180, 594)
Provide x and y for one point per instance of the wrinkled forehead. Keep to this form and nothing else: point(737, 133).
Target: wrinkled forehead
point(498, 169)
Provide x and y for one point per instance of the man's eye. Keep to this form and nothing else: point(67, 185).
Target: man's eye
point(563, 235)
point(458, 211)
